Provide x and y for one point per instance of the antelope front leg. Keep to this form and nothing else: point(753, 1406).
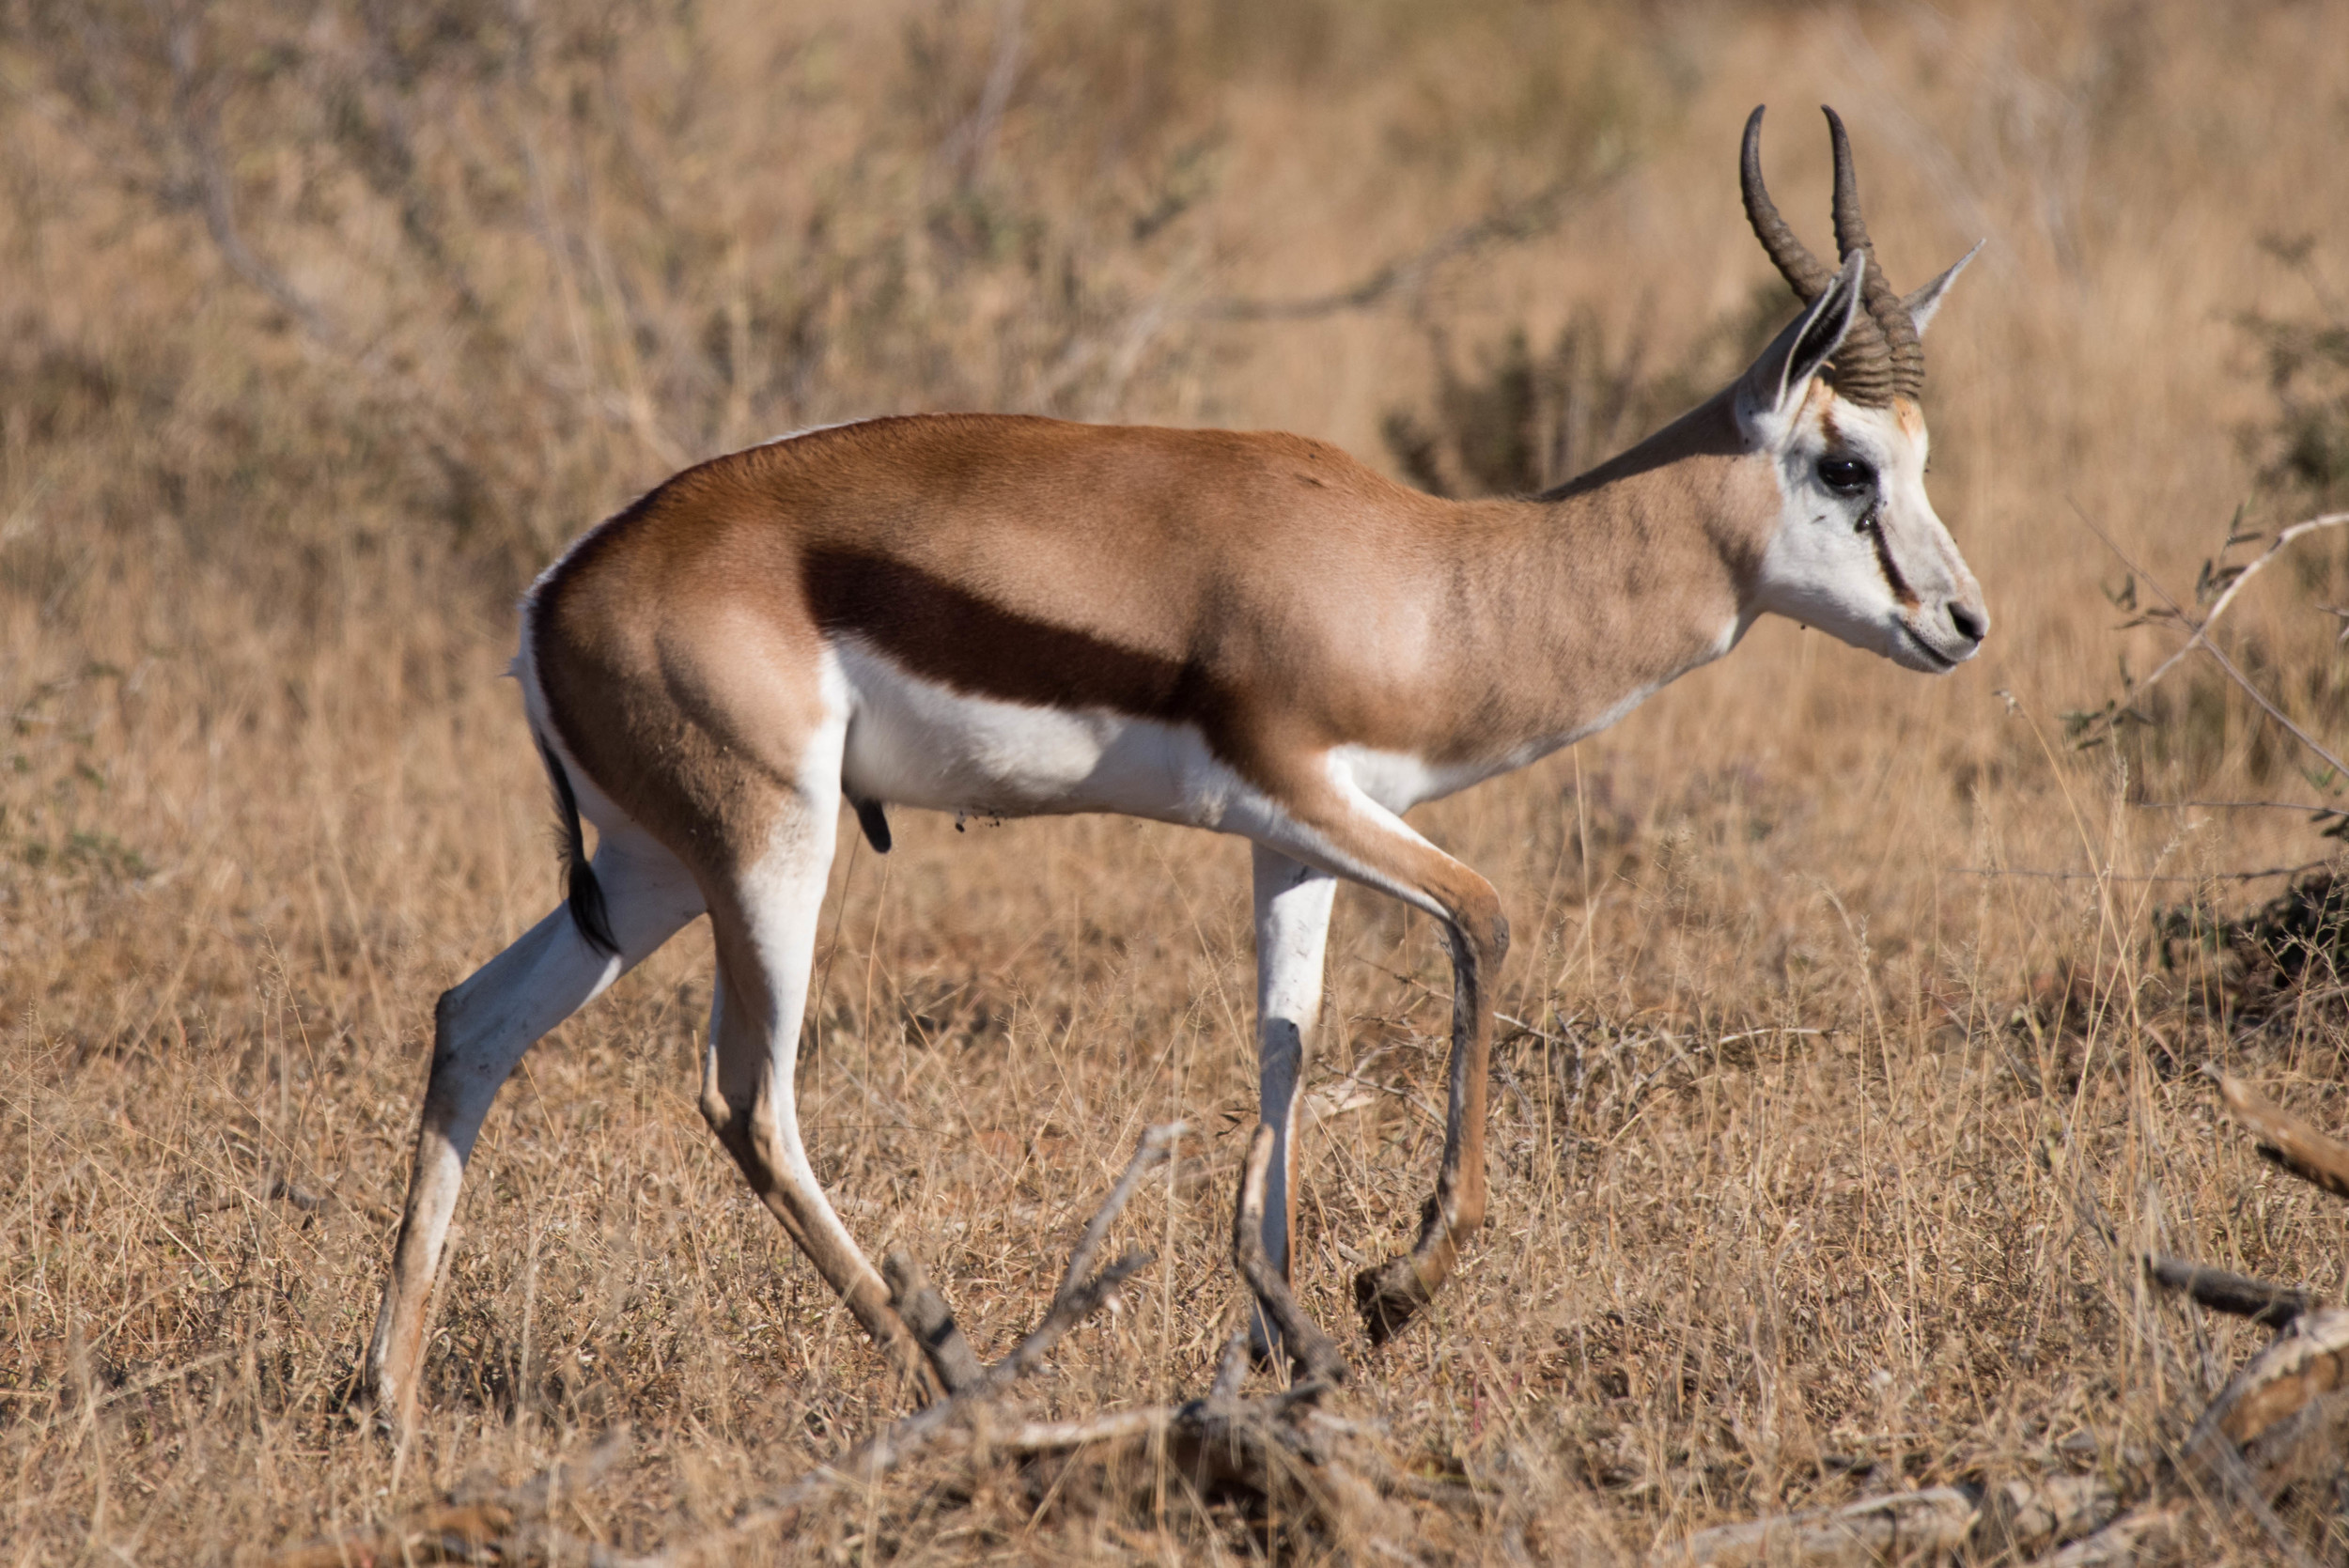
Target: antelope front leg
point(1390, 1294)
point(1346, 832)
point(1292, 935)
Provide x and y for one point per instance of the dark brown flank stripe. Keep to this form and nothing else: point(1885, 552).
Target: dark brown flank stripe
point(970, 645)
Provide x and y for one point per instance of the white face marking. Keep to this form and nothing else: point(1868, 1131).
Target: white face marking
point(1866, 559)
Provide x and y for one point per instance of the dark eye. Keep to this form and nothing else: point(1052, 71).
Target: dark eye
point(1847, 476)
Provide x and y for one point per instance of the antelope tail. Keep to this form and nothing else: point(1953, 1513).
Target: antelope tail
point(582, 891)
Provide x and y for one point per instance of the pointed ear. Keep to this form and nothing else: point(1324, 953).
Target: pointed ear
point(1922, 304)
point(1779, 379)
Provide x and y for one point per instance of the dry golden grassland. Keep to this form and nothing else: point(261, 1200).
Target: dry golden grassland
point(326, 326)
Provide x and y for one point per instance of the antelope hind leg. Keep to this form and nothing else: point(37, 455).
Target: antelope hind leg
point(480, 1031)
point(764, 917)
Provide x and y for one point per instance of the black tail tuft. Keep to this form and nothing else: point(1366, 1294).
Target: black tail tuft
point(584, 894)
point(875, 822)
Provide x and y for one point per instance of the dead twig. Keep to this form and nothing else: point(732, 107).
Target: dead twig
point(2199, 631)
point(2119, 876)
point(2243, 575)
point(1077, 1299)
point(2280, 1423)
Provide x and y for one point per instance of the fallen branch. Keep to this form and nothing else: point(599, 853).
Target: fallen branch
point(2287, 1140)
point(2015, 1515)
point(2234, 1295)
point(894, 1444)
point(1299, 1460)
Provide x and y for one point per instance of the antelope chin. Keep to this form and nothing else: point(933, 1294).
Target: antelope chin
point(1927, 656)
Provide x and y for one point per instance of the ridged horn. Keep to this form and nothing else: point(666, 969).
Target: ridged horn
point(1804, 272)
point(1901, 367)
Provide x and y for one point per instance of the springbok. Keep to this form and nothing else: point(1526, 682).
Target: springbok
point(1251, 633)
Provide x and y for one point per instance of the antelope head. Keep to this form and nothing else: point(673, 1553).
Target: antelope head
point(1857, 549)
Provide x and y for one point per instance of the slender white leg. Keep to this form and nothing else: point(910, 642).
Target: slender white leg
point(1350, 835)
point(1292, 937)
point(481, 1029)
point(765, 922)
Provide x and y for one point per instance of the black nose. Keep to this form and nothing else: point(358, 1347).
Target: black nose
point(1969, 625)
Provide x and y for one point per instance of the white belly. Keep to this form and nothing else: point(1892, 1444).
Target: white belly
point(914, 743)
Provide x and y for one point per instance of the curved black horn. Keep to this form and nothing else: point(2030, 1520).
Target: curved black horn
point(1896, 353)
point(1802, 271)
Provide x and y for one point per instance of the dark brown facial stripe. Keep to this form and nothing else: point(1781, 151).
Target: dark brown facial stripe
point(1893, 578)
point(968, 643)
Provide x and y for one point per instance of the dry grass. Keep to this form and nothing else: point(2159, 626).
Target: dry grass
point(1785, 1162)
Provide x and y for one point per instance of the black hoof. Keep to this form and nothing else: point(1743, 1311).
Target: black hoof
point(1387, 1297)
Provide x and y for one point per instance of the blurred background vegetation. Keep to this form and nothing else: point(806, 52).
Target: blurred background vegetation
point(323, 326)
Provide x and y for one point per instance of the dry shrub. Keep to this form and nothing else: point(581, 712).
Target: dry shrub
point(327, 325)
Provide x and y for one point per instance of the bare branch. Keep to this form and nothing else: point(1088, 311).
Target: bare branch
point(1316, 1353)
point(2201, 630)
point(2117, 876)
point(900, 1441)
point(2286, 1140)
point(1901, 1525)
point(2232, 1294)
point(1155, 1145)
point(1509, 224)
point(2250, 569)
